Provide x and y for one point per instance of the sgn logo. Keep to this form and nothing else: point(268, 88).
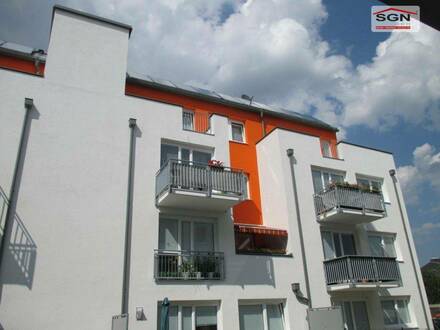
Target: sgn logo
point(397, 18)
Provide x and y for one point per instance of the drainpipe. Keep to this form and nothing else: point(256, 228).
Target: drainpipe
point(298, 219)
point(13, 194)
point(128, 221)
point(413, 261)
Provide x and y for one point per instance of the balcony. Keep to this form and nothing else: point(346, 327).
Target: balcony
point(361, 272)
point(184, 184)
point(188, 265)
point(347, 204)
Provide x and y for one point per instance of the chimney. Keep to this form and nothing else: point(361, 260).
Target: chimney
point(87, 51)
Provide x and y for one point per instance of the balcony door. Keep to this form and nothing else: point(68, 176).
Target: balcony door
point(338, 244)
point(355, 315)
point(186, 234)
point(184, 153)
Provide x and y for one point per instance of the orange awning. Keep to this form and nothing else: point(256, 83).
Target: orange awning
point(262, 230)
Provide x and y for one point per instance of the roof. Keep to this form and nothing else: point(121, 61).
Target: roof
point(21, 51)
point(365, 147)
point(220, 98)
point(90, 16)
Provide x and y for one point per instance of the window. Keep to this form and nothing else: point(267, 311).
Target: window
point(261, 317)
point(186, 234)
point(188, 120)
point(323, 178)
point(337, 244)
point(325, 148)
point(355, 315)
point(237, 132)
point(168, 151)
point(373, 184)
point(395, 312)
point(203, 317)
point(382, 245)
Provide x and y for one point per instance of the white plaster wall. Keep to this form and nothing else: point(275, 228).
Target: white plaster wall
point(72, 198)
point(356, 160)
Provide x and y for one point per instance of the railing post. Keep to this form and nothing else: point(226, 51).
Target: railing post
point(350, 270)
point(209, 180)
point(337, 200)
point(375, 271)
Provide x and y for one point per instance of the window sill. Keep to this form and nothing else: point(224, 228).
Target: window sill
point(193, 131)
point(238, 142)
point(268, 254)
point(334, 158)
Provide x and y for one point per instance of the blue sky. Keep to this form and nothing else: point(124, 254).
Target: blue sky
point(318, 57)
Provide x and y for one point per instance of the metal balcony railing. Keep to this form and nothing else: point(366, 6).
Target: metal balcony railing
point(188, 265)
point(353, 198)
point(361, 269)
point(186, 175)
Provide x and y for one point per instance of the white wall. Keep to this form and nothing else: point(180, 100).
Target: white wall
point(356, 160)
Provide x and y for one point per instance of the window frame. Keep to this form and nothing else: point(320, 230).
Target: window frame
point(263, 305)
point(193, 305)
point(188, 147)
point(340, 303)
point(330, 173)
point(326, 146)
point(192, 113)
point(382, 235)
point(192, 220)
point(243, 131)
point(339, 232)
point(398, 325)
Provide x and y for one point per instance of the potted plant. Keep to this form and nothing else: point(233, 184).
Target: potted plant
point(216, 164)
point(187, 269)
point(209, 267)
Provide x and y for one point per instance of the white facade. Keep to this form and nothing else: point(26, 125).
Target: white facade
point(72, 200)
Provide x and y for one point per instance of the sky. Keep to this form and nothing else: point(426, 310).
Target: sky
point(317, 57)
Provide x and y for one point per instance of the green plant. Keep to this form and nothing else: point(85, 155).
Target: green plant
point(187, 267)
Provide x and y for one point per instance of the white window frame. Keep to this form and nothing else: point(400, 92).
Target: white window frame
point(353, 317)
point(411, 323)
point(193, 305)
point(243, 131)
point(263, 305)
point(330, 172)
point(382, 235)
point(326, 145)
point(188, 147)
point(339, 232)
point(381, 181)
point(192, 113)
point(191, 220)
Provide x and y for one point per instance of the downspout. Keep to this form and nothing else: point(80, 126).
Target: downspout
point(413, 262)
point(128, 220)
point(13, 194)
point(298, 219)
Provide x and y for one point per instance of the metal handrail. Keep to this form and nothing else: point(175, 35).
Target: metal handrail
point(188, 265)
point(361, 269)
point(338, 197)
point(182, 174)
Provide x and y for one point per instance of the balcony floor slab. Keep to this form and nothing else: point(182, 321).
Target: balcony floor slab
point(349, 216)
point(361, 286)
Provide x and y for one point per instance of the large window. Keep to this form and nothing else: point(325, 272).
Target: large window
point(373, 184)
point(192, 317)
point(382, 245)
point(337, 244)
point(261, 317)
point(237, 132)
point(169, 151)
point(186, 234)
point(323, 178)
point(355, 315)
point(395, 312)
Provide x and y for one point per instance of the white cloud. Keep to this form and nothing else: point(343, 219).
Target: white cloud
point(272, 49)
point(427, 228)
point(424, 172)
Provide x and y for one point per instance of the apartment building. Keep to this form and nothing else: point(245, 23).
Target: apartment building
point(120, 190)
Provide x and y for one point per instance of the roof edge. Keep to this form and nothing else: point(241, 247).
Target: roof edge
point(365, 147)
point(90, 16)
point(208, 98)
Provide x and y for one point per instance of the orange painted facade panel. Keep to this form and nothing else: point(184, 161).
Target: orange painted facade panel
point(21, 65)
point(242, 155)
